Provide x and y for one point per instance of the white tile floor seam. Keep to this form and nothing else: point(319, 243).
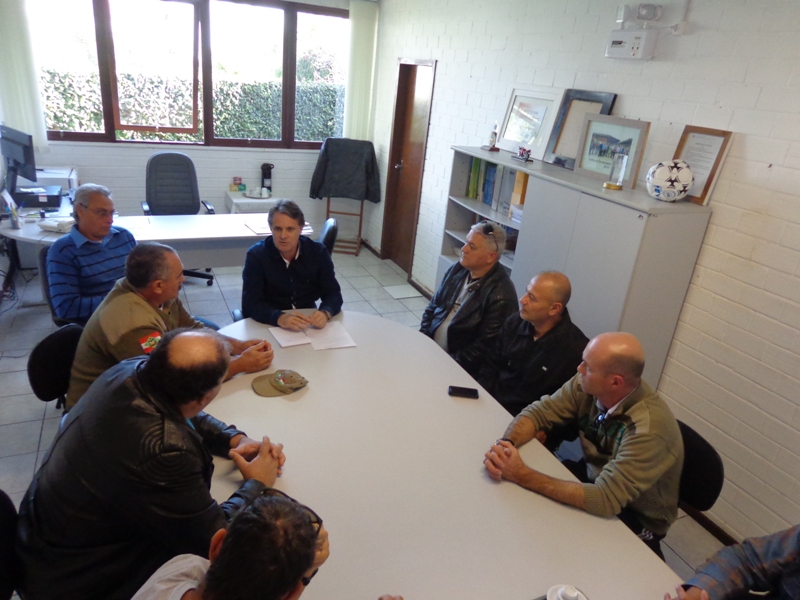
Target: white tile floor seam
point(28, 426)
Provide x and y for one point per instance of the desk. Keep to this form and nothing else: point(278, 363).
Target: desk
point(200, 240)
point(393, 465)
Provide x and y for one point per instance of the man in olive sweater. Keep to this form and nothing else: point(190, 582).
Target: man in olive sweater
point(632, 446)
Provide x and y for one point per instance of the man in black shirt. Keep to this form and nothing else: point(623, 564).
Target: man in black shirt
point(538, 349)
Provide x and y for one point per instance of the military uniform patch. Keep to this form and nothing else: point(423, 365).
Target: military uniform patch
point(150, 341)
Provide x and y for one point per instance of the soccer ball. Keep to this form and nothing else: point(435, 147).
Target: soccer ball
point(669, 181)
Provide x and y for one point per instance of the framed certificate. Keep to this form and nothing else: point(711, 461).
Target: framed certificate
point(529, 120)
point(704, 150)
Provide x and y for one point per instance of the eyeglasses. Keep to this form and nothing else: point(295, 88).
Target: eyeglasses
point(316, 521)
point(487, 229)
point(100, 212)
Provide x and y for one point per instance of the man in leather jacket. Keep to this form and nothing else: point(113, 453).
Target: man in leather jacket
point(125, 486)
point(476, 297)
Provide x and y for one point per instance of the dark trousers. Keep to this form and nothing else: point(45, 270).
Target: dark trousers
point(626, 515)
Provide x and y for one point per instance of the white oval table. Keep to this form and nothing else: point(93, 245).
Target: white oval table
point(393, 465)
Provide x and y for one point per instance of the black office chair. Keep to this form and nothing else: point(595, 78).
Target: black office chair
point(9, 562)
point(171, 189)
point(703, 472)
point(50, 363)
point(46, 287)
point(327, 236)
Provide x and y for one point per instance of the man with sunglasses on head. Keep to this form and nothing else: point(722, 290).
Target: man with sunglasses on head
point(83, 265)
point(270, 551)
point(125, 486)
point(475, 298)
point(632, 446)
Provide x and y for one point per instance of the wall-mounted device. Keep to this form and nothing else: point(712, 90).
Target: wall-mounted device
point(638, 44)
point(649, 12)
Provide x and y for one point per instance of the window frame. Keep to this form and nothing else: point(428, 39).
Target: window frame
point(107, 75)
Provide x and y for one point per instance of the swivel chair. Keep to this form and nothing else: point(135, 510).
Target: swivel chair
point(50, 363)
point(171, 189)
point(703, 472)
point(9, 562)
point(327, 236)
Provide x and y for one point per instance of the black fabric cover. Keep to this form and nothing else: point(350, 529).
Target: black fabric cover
point(50, 362)
point(703, 471)
point(9, 563)
point(346, 169)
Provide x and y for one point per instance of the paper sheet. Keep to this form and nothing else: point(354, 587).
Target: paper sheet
point(333, 335)
point(289, 338)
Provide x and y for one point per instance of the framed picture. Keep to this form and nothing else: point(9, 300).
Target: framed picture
point(529, 119)
point(562, 147)
point(704, 150)
point(602, 137)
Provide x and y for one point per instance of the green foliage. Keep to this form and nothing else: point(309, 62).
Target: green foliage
point(319, 111)
point(72, 102)
point(317, 65)
point(247, 110)
point(241, 110)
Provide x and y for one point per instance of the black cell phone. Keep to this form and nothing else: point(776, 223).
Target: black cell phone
point(464, 392)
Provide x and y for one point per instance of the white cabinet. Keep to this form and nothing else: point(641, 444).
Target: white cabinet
point(630, 258)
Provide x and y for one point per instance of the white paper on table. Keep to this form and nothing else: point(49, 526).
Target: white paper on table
point(333, 335)
point(289, 338)
point(259, 227)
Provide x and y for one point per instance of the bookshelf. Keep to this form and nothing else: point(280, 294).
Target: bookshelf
point(630, 258)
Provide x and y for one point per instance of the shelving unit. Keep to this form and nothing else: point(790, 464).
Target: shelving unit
point(462, 213)
point(629, 257)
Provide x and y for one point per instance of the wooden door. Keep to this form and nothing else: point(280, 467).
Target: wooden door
point(406, 160)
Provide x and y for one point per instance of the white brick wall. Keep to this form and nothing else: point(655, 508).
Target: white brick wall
point(733, 371)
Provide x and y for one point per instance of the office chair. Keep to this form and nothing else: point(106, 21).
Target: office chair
point(46, 287)
point(703, 472)
point(50, 363)
point(9, 562)
point(171, 189)
point(327, 236)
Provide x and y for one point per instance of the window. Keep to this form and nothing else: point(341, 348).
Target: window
point(65, 50)
point(263, 73)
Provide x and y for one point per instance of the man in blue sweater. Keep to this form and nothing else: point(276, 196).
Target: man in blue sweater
point(83, 265)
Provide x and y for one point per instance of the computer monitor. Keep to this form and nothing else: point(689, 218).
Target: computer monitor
point(17, 149)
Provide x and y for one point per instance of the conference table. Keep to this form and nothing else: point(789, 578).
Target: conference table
point(219, 240)
point(394, 466)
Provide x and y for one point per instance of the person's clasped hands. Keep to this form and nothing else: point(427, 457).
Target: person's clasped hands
point(262, 461)
point(502, 461)
point(295, 321)
point(250, 356)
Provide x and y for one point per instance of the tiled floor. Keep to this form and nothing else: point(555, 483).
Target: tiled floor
point(370, 285)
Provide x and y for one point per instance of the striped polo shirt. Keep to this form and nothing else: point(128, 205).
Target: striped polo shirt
point(81, 272)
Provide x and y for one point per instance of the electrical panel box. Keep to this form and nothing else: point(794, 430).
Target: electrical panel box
point(639, 44)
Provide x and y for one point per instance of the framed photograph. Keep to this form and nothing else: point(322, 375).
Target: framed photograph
point(603, 137)
point(704, 150)
point(562, 147)
point(529, 119)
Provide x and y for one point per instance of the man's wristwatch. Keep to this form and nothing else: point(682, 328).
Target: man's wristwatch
point(505, 439)
point(327, 314)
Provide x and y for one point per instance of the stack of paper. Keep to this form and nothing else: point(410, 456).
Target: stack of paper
point(333, 335)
